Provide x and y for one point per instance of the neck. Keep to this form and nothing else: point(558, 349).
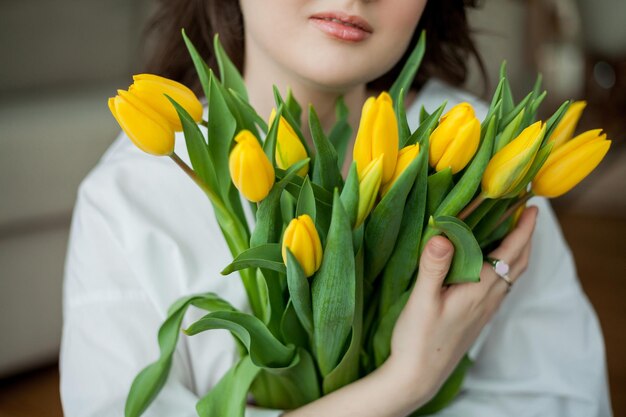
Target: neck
point(260, 74)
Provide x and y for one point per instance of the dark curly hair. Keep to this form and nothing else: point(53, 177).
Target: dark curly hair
point(448, 40)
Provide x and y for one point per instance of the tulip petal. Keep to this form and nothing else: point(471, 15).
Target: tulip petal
point(156, 86)
point(362, 152)
point(566, 127)
point(447, 131)
point(572, 145)
point(509, 165)
point(565, 173)
point(385, 136)
point(461, 150)
point(145, 128)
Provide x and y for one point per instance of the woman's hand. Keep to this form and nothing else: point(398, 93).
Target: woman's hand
point(439, 324)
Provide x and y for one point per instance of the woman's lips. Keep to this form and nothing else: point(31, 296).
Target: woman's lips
point(342, 26)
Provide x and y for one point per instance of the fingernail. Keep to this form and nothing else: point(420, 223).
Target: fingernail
point(437, 249)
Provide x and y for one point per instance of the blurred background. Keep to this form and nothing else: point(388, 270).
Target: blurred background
point(61, 61)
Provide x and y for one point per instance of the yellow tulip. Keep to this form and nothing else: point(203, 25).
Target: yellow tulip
point(566, 127)
point(570, 164)
point(508, 166)
point(146, 128)
point(377, 135)
point(369, 184)
point(405, 157)
point(455, 140)
point(289, 148)
point(151, 89)
point(250, 169)
point(303, 241)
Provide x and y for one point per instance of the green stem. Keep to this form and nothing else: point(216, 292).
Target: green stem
point(509, 212)
point(239, 242)
point(471, 207)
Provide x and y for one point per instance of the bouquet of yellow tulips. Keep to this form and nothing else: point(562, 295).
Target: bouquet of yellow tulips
point(329, 263)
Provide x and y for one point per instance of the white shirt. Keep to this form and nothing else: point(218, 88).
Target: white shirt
point(144, 235)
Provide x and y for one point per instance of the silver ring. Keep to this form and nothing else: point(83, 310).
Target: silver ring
point(501, 268)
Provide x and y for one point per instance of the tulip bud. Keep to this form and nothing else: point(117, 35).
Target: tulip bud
point(455, 140)
point(303, 241)
point(377, 135)
point(405, 157)
point(151, 89)
point(146, 128)
point(509, 165)
point(566, 127)
point(250, 169)
point(369, 184)
point(570, 164)
point(289, 149)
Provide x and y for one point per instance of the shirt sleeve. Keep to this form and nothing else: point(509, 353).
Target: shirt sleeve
point(543, 352)
point(125, 265)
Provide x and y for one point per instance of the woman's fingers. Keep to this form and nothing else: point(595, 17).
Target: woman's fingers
point(514, 243)
point(433, 267)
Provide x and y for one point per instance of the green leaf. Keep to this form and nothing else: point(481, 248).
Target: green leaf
point(468, 258)
point(382, 336)
point(276, 285)
point(269, 145)
point(403, 125)
point(228, 397)
point(439, 185)
point(465, 189)
point(341, 131)
point(291, 329)
point(535, 101)
point(248, 113)
point(269, 220)
point(325, 169)
point(322, 196)
point(448, 391)
point(348, 369)
point(290, 387)
point(553, 121)
point(299, 292)
point(306, 200)
point(540, 159)
point(508, 117)
point(481, 211)
point(507, 96)
point(400, 269)
point(509, 133)
point(423, 114)
point(350, 194)
point(384, 222)
point(152, 378)
point(497, 235)
point(295, 124)
point(405, 79)
point(497, 98)
point(196, 147)
point(426, 127)
point(265, 256)
point(287, 206)
point(201, 66)
point(488, 223)
point(221, 129)
point(333, 292)
point(229, 74)
point(265, 350)
point(293, 107)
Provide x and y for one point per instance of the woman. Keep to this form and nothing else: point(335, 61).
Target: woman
point(143, 236)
